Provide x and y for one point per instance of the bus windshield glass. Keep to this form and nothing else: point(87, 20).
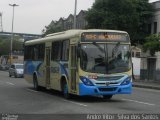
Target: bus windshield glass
point(105, 58)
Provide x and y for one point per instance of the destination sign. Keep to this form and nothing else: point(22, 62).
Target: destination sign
point(104, 36)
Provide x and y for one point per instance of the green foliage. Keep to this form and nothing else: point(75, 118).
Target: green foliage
point(128, 15)
point(5, 44)
point(152, 44)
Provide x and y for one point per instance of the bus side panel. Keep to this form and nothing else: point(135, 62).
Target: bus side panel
point(58, 69)
point(29, 68)
point(55, 76)
point(40, 74)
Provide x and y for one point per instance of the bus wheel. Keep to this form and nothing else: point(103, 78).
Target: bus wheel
point(107, 97)
point(65, 91)
point(35, 83)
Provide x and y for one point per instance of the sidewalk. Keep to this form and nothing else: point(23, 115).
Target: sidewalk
point(146, 84)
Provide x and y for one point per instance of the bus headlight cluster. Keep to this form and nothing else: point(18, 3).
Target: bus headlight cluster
point(127, 81)
point(86, 81)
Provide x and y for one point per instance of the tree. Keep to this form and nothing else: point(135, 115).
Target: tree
point(5, 44)
point(152, 44)
point(128, 15)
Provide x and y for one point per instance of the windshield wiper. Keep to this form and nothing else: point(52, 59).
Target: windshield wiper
point(99, 47)
point(115, 49)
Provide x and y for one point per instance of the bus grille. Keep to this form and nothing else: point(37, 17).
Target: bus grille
point(109, 78)
point(104, 84)
point(107, 89)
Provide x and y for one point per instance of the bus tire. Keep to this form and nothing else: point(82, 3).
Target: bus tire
point(65, 90)
point(107, 97)
point(35, 83)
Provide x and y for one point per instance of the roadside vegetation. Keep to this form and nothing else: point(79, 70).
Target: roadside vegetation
point(5, 44)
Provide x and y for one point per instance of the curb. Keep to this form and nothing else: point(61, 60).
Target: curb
point(146, 86)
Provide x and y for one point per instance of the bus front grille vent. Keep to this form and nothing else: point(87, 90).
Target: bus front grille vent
point(109, 78)
point(107, 89)
point(104, 84)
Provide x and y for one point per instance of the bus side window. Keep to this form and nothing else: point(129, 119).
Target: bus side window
point(34, 52)
point(56, 51)
point(65, 50)
point(60, 50)
point(39, 52)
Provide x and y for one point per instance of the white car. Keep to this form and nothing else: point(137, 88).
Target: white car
point(16, 70)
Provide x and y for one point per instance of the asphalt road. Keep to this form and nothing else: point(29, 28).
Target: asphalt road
point(18, 97)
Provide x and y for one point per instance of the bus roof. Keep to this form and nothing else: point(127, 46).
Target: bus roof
point(66, 35)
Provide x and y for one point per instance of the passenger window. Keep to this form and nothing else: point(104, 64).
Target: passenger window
point(65, 50)
point(56, 50)
point(60, 50)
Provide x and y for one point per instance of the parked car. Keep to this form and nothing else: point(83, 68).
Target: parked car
point(4, 67)
point(16, 70)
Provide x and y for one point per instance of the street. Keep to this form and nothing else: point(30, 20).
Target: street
point(17, 96)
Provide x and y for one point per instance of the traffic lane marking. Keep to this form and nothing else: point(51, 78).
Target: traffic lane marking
point(77, 103)
point(9, 83)
point(140, 102)
point(30, 90)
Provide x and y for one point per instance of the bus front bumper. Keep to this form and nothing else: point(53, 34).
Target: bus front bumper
point(104, 90)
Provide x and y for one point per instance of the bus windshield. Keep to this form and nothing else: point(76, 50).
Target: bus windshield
point(105, 58)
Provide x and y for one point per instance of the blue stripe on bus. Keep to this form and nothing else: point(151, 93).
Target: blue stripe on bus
point(64, 70)
point(95, 90)
point(31, 66)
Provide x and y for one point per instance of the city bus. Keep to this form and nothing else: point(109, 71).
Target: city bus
point(81, 62)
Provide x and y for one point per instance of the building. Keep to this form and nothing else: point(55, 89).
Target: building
point(150, 65)
point(154, 27)
point(81, 22)
point(136, 61)
point(67, 23)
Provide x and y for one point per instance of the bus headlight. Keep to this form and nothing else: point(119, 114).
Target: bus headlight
point(127, 81)
point(86, 81)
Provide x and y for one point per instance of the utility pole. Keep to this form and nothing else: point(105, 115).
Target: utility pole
point(75, 12)
point(12, 5)
point(1, 25)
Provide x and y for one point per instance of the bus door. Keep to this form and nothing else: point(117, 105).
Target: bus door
point(47, 69)
point(73, 68)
